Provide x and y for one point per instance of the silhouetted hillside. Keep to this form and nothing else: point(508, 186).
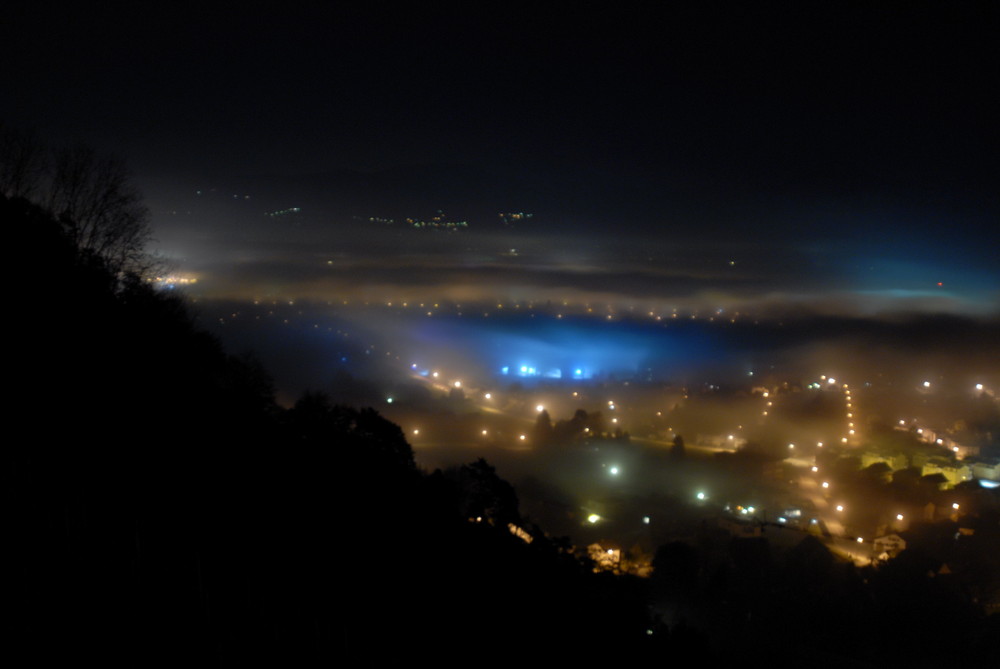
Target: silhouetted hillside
point(165, 509)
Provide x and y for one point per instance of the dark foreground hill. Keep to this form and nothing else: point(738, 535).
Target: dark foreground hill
point(162, 508)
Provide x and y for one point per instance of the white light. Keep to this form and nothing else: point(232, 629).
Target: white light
point(488, 396)
point(979, 386)
point(458, 384)
point(840, 507)
point(927, 384)
point(539, 408)
point(899, 516)
point(826, 484)
point(645, 520)
point(700, 495)
point(614, 471)
point(593, 518)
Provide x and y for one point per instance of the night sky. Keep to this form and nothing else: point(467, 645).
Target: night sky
point(838, 156)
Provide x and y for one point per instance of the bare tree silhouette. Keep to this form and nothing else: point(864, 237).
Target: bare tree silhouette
point(103, 211)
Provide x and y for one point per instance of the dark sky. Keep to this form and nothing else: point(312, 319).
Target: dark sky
point(825, 146)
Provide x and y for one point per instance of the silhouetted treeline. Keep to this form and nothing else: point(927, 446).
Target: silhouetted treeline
point(162, 508)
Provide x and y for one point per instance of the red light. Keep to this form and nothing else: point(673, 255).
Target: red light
point(940, 283)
